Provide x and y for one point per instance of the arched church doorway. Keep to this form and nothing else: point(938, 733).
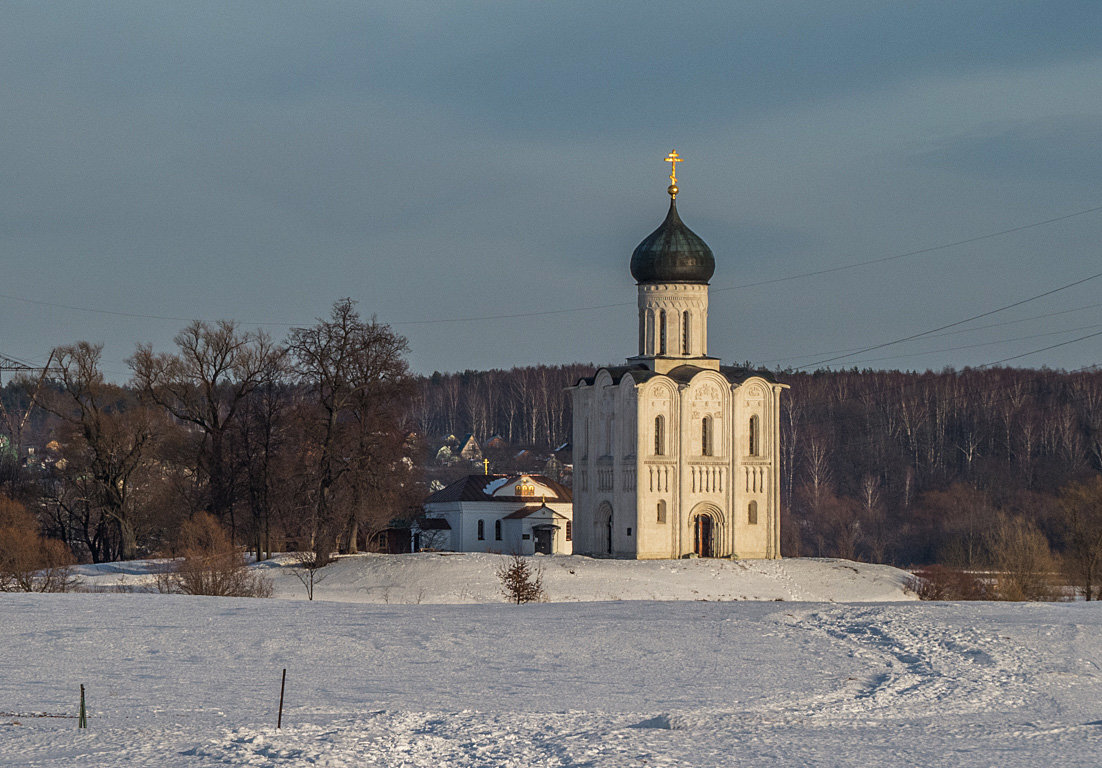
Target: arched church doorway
point(706, 531)
point(603, 537)
point(704, 536)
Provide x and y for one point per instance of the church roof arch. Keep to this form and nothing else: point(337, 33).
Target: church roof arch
point(603, 378)
point(703, 376)
point(662, 386)
point(758, 386)
point(628, 382)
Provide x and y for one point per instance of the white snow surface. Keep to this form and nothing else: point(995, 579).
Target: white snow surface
point(180, 681)
point(471, 578)
point(192, 681)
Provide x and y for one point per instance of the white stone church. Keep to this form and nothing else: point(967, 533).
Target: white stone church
point(675, 454)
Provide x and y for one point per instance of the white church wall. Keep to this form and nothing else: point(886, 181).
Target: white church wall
point(634, 480)
point(584, 533)
point(657, 473)
point(626, 528)
point(757, 472)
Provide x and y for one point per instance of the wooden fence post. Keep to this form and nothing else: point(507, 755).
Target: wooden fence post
point(282, 686)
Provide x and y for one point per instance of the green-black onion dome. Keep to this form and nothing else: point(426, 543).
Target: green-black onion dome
point(673, 253)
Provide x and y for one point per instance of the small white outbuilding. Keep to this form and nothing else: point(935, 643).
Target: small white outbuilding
point(520, 514)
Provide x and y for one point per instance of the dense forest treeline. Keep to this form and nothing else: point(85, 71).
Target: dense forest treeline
point(525, 406)
point(920, 467)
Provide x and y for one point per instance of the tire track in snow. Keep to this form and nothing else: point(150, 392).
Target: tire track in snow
point(915, 663)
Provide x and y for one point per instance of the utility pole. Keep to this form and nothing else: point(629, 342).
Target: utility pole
point(15, 426)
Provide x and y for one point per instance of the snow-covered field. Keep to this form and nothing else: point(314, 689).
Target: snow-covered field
point(470, 578)
point(190, 681)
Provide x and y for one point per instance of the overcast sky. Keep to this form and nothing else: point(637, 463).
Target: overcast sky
point(443, 163)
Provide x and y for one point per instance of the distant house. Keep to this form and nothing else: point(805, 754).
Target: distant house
point(469, 449)
point(522, 513)
point(495, 443)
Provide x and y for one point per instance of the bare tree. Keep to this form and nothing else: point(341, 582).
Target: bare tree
point(358, 380)
point(1022, 561)
point(875, 533)
point(306, 569)
point(205, 384)
point(110, 436)
point(1081, 523)
point(29, 562)
point(210, 564)
point(262, 441)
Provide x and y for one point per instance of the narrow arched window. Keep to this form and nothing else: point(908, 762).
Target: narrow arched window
point(755, 438)
point(497, 530)
point(752, 513)
point(481, 530)
point(661, 511)
point(648, 343)
point(685, 341)
point(659, 436)
point(662, 332)
point(706, 436)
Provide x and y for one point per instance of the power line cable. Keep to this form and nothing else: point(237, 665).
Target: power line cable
point(855, 350)
point(1042, 349)
point(976, 345)
point(953, 325)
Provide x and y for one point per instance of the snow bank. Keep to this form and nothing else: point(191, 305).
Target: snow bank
point(450, 578)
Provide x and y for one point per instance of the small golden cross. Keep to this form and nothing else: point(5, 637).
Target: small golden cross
point(673, 159)
point(486, 465)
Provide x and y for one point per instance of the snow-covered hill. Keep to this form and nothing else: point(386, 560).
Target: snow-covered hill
point(178, 682)
point(470, 578)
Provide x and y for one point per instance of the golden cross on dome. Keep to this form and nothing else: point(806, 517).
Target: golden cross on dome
point(673, 159)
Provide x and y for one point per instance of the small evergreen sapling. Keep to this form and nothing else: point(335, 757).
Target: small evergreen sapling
point(520, 582)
